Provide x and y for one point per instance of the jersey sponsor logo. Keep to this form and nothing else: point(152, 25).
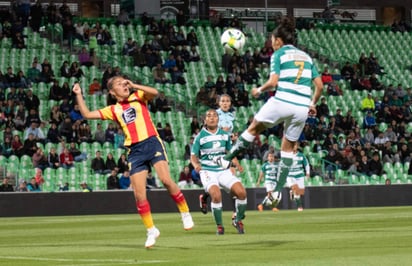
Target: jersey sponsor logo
point(129, 115)
point(216, 144)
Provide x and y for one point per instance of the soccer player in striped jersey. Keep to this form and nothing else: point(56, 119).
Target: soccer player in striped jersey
point(292, 73)
point(269, 172)
point(145, 146)
point(296, 178)
point(213, 141)
point(226, 118)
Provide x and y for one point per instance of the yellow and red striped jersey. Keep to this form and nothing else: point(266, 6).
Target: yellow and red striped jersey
point(133, 116)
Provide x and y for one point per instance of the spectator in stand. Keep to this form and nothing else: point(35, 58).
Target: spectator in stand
point(192, 38)
point(194, 54)
point(84, 57)
point(375, 84)
point(129, 47)
point(17, 41)
point(99, 134)
point(33, 74)
point(110, 162)
point(375, 165)
point(84, 133)
point(380, 141)
point(162, 104)
point(75, 114)
point(123, 163)
point(31, 101)
point(119, 139)
point(5, 186)
point(95, 88)
point(368, 103)
point(124, 180)
point(159, 74)
point(55, 91)
point(369, 120)
point(110, 132)
point(185, 178)
point(180, 18)
point(35, 131)
point(53, 158)
point(30, 145)
point(85, 188)
point(46, 75)
point(202, 97)
point(322, 108)
point(98, 164)
point(76, 71)
point(66, 159)
point(347, 71)
point(176, 76)
point(107, 74)
point(326, 76)
point(56, 116)
point(32, 186)
point(78, 156)
point(113, 181)
point(39, 159)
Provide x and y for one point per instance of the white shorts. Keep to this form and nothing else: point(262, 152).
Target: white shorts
point(224, 179)
point(273, 112)
point(290, 181)
point(270, 186)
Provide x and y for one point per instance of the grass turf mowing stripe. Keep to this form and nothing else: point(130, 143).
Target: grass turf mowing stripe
point(352, 236)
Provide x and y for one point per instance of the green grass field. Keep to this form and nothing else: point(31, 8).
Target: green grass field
point(356, 236)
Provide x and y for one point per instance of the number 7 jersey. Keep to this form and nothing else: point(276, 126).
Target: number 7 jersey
point(296, 71)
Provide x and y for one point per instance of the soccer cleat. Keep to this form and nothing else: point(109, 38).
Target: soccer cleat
point(239, 227)
point(152, 234)
point(260, 207)
point(203, 203)
point(187, 221)
point(300, 209)
point(219, 160)
point(220, 230)
point(275, 209)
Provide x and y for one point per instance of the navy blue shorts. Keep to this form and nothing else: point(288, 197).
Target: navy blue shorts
point(144, 154)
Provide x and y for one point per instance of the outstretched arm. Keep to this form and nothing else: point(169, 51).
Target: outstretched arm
point(84, 110)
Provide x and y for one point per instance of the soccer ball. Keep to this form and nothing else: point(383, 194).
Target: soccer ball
point(274, 199)
point(232, 40)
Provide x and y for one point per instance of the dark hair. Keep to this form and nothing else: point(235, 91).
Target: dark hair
point(286, 31)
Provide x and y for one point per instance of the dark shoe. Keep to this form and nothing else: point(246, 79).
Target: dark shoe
point(203, 203)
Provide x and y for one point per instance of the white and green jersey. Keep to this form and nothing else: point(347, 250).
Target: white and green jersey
point(299, 167)
point(296, 71)
point(207, 145)
point(270, 171)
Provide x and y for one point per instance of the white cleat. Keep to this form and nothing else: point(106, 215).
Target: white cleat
point(219, 160)
point(300, 209)
point(152, 235)
point(187, 221)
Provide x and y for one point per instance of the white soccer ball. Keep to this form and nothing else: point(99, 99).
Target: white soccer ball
point(232, 40)
point(274, 199)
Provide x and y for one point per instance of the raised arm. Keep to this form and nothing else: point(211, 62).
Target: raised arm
point(84, 110)
point(149, 92)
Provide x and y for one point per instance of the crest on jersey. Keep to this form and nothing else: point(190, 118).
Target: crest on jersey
point(129, 115)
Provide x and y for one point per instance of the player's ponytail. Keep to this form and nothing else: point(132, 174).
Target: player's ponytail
point(286, 31)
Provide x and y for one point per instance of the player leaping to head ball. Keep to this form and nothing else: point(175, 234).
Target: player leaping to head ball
point(145, 147)
point(292, 72)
